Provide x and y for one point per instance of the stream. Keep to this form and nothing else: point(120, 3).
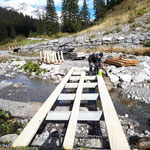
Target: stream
point(37, 90)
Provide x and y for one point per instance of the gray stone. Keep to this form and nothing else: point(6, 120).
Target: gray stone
point(5, 83)
point(9, 138)
point(136, 42)
point(115, 70)
point(113, 78)
point(140, 77)
point(18, 85)
point(128, 41)
point(120, 38)
point(2, 72)
point(126, 78)
point(106, 38)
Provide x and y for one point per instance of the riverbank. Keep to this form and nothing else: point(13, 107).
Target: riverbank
point(12, 70)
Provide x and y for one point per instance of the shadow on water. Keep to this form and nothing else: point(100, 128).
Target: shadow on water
point(136, 110)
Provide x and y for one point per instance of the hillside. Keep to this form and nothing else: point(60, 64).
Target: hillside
point(124, 13)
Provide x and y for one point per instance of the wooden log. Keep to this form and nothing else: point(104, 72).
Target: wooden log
point(62, 57)
point(44, 56)
point(71, 129)
point(58, 57)
point(47, 56)
point(30, 130)
point(41, 58)
point(116, 135)
point(55, 57)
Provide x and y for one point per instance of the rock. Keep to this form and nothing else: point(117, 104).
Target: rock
point(140, 77)
point(33, 74)
point(147, 71)
point(113, 78)
point(4, 84)
point(126, 78)
point(18, 85)
point(115, 70)
point(136, 41)
point(145, 65)
point(106, 38)
point(9, 138)
point(120, 38)
point(2, 72)
point(18, 63)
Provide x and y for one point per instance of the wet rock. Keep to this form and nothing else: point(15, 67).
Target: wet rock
point(5, 83)
point(2, 72)
point(18, 85)
point(9, 138)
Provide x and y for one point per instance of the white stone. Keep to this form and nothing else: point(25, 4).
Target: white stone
point(140, 77)
point(18, 63)
point(145, 65)
point(9, 138)
point(120, 38)
point(147, 71)
point(126, 78)
point(113, 78)
point(106, 38)
point(2, 72)
point(115, 70)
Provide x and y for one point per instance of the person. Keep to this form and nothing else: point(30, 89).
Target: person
point(95, 60)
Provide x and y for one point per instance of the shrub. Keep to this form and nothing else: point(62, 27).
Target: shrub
point(33, 67)
point(147, 44)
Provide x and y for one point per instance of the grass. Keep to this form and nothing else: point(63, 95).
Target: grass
point(19, 43)
point(126, 12)
point(19, 148)
point(26, 54)
point(8, 125)
point(110, 49)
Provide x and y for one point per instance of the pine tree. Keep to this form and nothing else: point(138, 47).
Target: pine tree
point(100, 9)
point(12, 32)
point(70, 16)
point(85, 15)
point(52, 25)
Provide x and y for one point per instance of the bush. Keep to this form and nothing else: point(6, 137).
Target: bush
point(147, 44)
point(33, 67)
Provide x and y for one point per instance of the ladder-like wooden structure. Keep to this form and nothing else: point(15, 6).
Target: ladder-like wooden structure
point(116, 135)
point(51, 57)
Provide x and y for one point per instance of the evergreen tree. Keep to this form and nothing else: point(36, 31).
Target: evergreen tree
point(12, 32)
point(85, 15)
point(100, 9)
point(70, 16)
point(52, 25)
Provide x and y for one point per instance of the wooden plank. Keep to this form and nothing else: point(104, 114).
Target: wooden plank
point(66, 96)
point(85, 85)
point(70, 133)
point(76, 78)
point(83, 116)
point(30, 130)
point(116, 135)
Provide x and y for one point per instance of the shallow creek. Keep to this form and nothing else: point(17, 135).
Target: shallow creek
point(36, 90)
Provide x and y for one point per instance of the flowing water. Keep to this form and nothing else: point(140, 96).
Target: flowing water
point(36, 90)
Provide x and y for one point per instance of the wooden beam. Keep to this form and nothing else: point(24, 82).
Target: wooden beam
point(67, 96)
point(116, 135)
point(85, 85)
point(71, 129)
point(83, 116)
point(76, 78)
point(30, 130)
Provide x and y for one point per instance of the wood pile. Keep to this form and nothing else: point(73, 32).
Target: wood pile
point(51, 57)
point(119, 62)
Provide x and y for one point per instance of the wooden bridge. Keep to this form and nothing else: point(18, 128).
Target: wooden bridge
point(77, 79)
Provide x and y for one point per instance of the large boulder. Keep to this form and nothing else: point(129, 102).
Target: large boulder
point(126, 78)
point(115, 70)
point(145, 65)
point(2, 72)
point(141, 77)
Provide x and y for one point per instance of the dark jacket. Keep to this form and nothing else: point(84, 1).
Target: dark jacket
point(94, 58)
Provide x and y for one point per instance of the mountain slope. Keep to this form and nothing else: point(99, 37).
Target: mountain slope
point(34, 12)
point(124, 13)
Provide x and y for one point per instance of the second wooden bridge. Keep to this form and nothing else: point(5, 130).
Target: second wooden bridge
point(77, 79)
